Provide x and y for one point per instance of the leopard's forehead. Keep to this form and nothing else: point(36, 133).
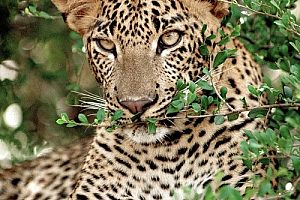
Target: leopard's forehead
point(139, 21)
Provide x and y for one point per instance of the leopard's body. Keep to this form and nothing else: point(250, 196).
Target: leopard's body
point(138, 49)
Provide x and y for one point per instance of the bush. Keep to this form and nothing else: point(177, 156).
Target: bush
point(268, 30)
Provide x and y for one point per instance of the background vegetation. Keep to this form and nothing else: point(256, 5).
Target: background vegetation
point(41, 62)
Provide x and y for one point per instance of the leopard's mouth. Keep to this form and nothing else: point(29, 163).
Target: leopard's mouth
point(139, 133)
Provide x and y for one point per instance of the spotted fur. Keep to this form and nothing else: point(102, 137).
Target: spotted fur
point(130, 163)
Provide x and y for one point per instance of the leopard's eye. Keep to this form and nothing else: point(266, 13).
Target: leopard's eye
point(106, 45)
point(170, 39)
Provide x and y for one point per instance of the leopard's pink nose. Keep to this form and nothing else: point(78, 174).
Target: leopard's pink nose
point(138, 106)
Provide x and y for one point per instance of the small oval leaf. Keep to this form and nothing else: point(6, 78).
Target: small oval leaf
point(82, 118)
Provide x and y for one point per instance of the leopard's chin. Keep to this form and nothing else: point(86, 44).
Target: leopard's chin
point(139, 134)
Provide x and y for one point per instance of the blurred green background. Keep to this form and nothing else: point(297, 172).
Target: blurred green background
point(41, 62)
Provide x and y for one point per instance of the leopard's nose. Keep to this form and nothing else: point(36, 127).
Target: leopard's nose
point(136, 106)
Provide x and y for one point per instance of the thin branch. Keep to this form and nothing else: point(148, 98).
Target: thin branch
point(280, 196)
point(297, 181)
point(216, 89)
point(266, 118)
point(266, 14)
point(107, 124)
point(250, 9)
point(296, 105)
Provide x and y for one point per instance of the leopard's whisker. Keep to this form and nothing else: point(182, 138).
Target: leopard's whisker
point(91, 102)
point(222, 71)
point(87, 107)
point(88, 95)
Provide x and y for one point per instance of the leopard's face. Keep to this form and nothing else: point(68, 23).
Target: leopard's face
point(139, 49)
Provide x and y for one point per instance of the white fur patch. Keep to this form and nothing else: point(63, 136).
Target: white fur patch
point(141, 135)
point(111, 56)
point(154, 45)
point(165, 53)
point(34, 187)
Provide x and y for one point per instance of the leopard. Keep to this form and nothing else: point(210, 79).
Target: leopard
point(138, 50)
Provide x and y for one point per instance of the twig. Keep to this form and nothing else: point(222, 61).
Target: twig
point(275, 197)
point(107, 124)
point(262, 13)
point(250, 9)
point(266, 118)
point(240, 110)
point(297, 181)
point(216, 89)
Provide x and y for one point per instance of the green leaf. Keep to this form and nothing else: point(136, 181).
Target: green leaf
point(296, 163)
point(178, 104)
point(191, 98)
point(236, 31)
point(221, 32)
point(222, 56)
point(203, 50)
point(296, 45)
point(192, 87)
point(224, 41)
point(229, 193)
point(45, 15)
point(285, 131)
point(82, 118)
point(233, 116)
point(204, 27)
point(180, 85)
point(117, 115)
point(284, 49)
point(285, 19)
point(204, 102)
point(175, 106)
point(32, 9)
point(206, 71)
point(60, 121)
point(209, 194)
point(254, 145)
point(219, 119)
point(264, 188)
point(110, 129)
point(196, 107)
point(275, 4)
point(204, 85)
point(71, 125)
point(284, 64)
point(288, 92)
point(223, 92)
point(253, 90)
point(210, 100)
point(151, 125)
point(211, 37)
point(100, 116)
point(249, 193)
point(65, 117)
point(257, 113)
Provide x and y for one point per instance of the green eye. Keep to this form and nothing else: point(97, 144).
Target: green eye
point(170, 39)
point(106, 45)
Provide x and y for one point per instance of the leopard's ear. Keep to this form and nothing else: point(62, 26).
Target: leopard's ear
point(219, 9)
point(200, 7)
point(78, 14)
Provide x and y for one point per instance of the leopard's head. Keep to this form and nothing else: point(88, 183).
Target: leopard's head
point(138, 49)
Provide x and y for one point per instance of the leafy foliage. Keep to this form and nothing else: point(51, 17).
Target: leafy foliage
point(43, 61)
point(266, 27)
